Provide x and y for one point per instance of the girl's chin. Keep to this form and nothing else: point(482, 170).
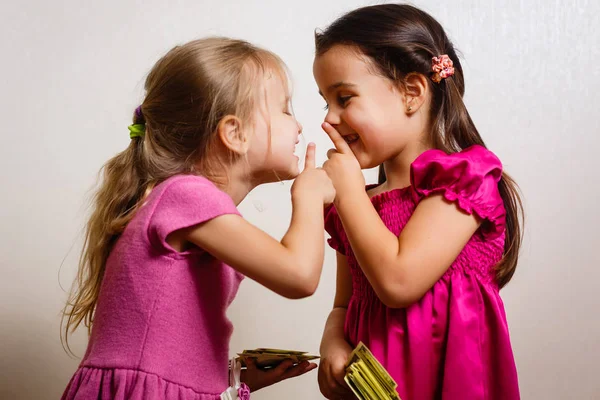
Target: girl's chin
point(293, 173)
point(285, 175)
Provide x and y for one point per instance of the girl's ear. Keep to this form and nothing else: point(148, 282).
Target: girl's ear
point(231, 133)
point(415, 89)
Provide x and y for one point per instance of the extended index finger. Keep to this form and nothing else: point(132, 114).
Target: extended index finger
point(309, 161)
point(338, 141)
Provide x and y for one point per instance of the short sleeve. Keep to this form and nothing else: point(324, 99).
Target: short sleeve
point(470, 178)
point(185, 201)
point(333, 226)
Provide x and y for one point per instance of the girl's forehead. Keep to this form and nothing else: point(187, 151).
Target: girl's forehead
point(276, 82)
point(342, 57)
point(340, 63)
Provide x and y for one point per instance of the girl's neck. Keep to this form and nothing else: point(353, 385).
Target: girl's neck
point(397, 169)
point(238, 189)
point(234, 182)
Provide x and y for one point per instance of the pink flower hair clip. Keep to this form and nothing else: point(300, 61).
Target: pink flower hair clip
point(442, 68)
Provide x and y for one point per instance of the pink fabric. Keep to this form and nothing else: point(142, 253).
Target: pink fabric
point(160, 329)
point(454, 343)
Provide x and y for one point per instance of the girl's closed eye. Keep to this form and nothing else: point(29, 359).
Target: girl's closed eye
point(287, 106)
point(343, 100)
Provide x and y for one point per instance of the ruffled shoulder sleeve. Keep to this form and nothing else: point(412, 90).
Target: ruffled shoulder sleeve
point(470, 178)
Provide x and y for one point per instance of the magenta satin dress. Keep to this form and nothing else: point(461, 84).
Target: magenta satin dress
point(453, 344)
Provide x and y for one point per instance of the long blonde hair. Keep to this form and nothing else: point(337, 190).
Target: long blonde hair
point(188, 91)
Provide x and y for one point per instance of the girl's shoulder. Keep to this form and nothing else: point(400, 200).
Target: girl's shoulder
point(470, 178)
point(181, 202)
point(475, 159)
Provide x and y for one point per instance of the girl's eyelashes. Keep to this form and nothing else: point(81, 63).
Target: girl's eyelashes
point(343, 100)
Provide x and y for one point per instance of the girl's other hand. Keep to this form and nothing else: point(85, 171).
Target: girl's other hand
point(257, 378)
point(332, 369)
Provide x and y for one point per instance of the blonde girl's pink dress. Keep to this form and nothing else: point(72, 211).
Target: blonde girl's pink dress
point(160, 330)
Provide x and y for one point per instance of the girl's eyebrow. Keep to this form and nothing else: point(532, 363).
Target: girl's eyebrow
point(338, 85)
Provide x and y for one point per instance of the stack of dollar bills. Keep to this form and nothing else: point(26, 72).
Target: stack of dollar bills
point(367, 378)
point(269, 358)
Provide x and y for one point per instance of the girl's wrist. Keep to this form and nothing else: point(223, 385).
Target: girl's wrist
point(305, 198)
point(349, 199)
point(244, 380)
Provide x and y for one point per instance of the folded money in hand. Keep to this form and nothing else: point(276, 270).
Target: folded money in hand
point(367, 378)
point(269, 358)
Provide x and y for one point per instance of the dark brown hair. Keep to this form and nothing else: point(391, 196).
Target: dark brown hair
point(401, 39)
point(188, 91)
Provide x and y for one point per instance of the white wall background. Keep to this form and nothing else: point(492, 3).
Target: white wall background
point(72, 73)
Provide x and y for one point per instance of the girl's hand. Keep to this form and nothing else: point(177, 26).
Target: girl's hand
point(332, 369)
point(313, 180)
point(342, 167)
point(257, 378)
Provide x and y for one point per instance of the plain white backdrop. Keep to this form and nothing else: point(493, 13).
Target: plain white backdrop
point(72, 73)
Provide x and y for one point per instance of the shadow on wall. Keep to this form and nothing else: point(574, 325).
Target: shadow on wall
point(33, 364)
